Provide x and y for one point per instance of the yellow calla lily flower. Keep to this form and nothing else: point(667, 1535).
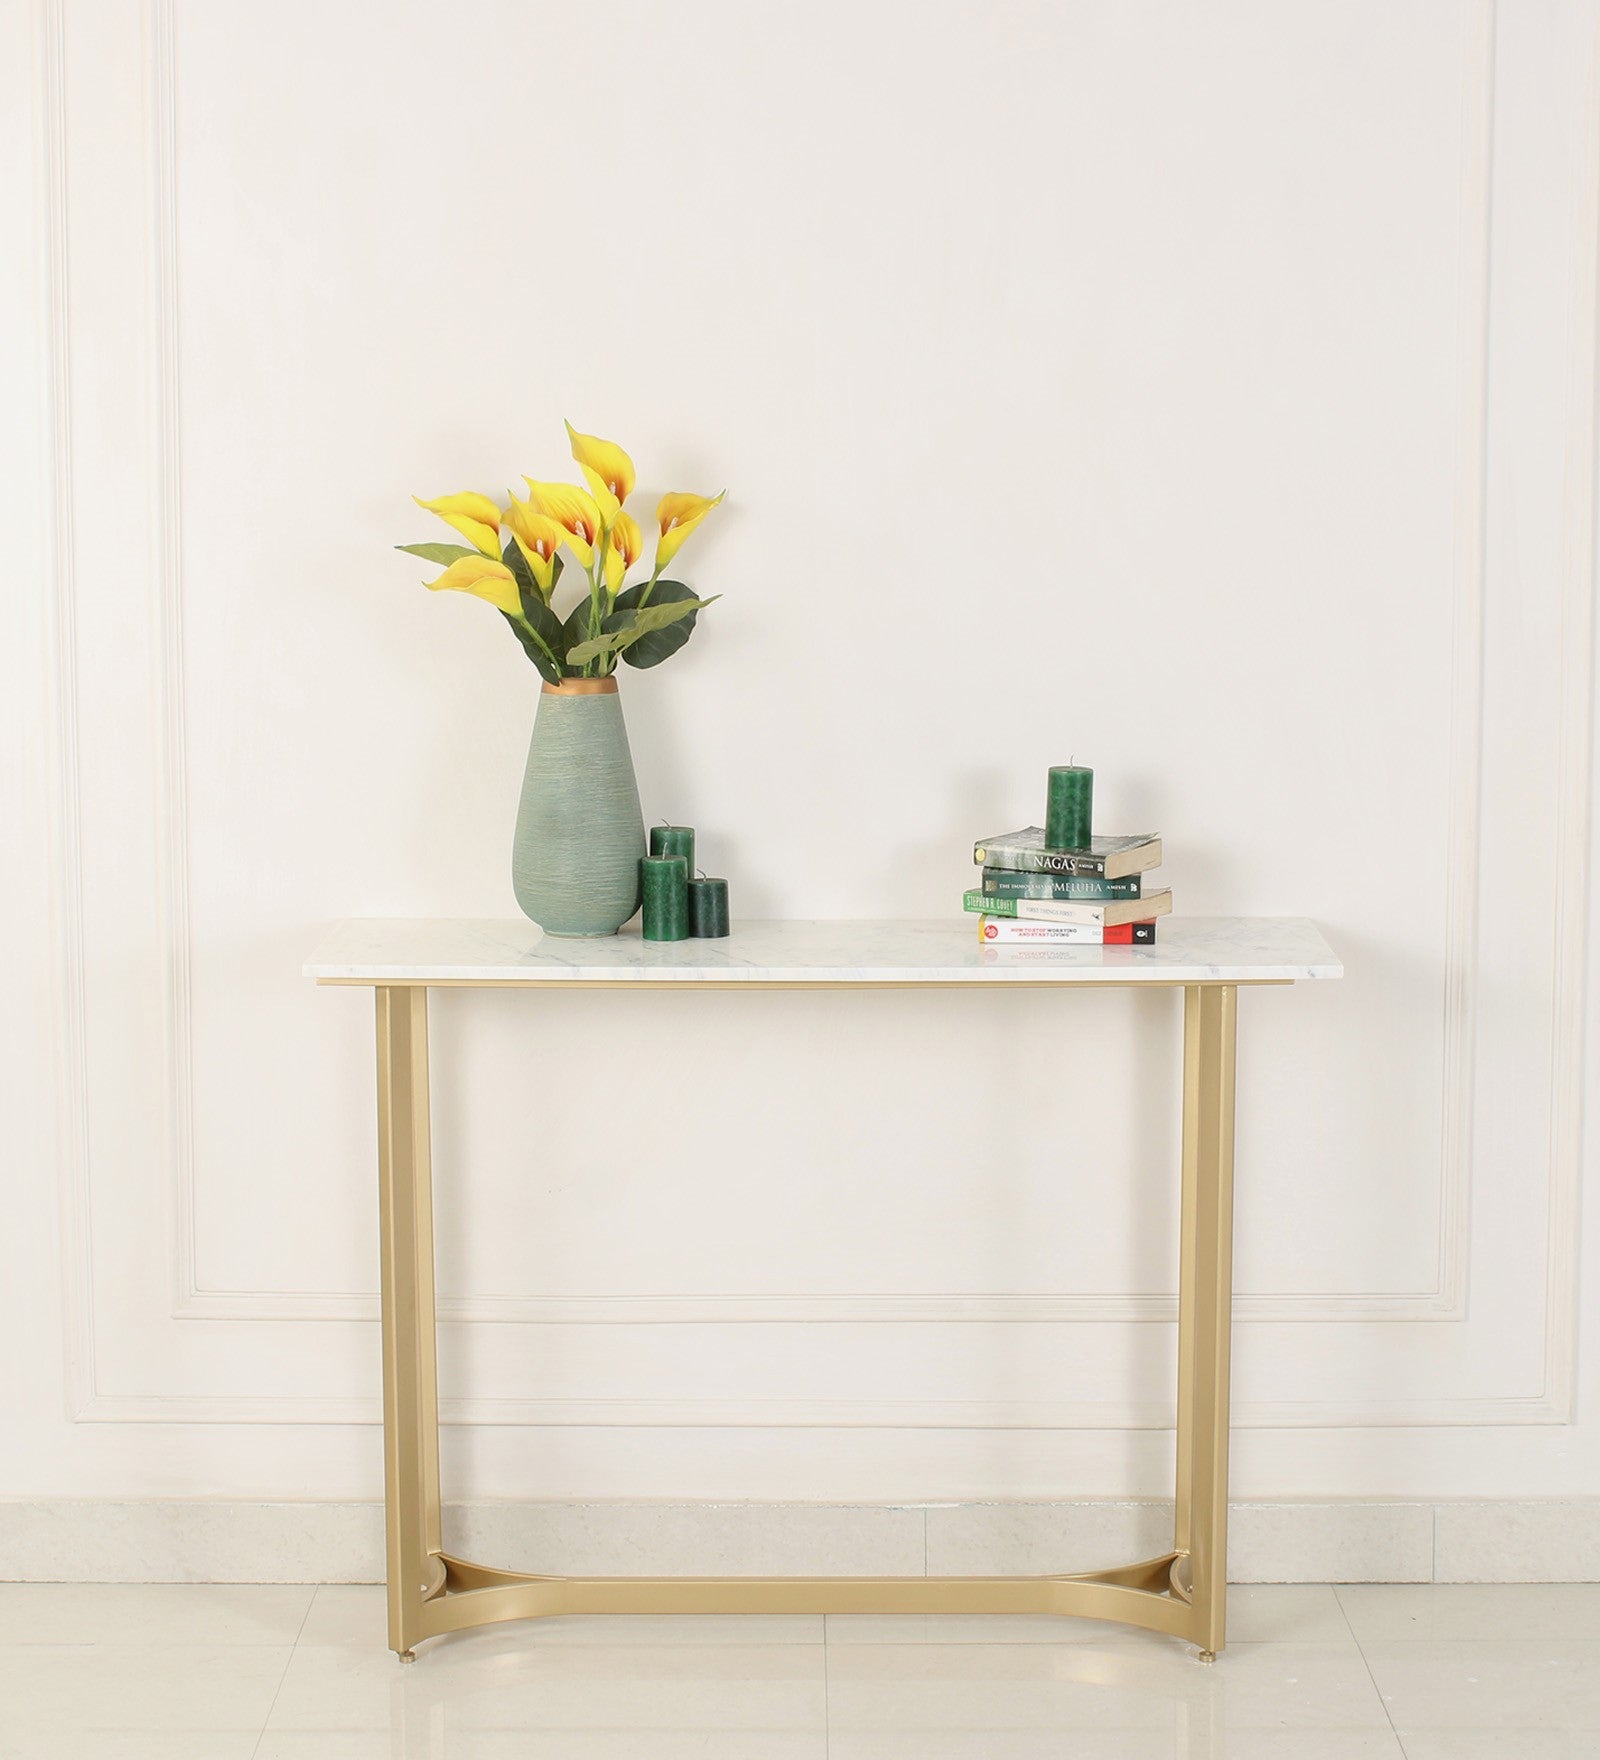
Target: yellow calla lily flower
point(678, 516)
point(572, 508)
point(624, 547)
point(476, 517)
point(488, 580)
point(538, 538)
point(606, 468)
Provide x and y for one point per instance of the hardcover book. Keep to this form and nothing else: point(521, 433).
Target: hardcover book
point(1104, 915)
point(1106, 858)
point(1002, 931)
point(1013, 883)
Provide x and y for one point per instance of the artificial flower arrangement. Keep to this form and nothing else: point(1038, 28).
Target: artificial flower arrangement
point(517, 555)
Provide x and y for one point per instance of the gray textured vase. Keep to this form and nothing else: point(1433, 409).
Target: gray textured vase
point(580, 834)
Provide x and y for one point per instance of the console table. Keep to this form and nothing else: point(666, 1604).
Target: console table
point(1209, 959)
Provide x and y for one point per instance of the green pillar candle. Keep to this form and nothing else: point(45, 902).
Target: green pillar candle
point(673, 840)
point(708, 908)
point(666, 897)
point(1069, 807)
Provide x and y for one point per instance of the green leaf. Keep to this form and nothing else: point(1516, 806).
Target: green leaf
point(634, 626)
point(548, 627)
point(574, 631)
point(661, 644)
point(441, 553)
point(535, 647)
point(527, 586)
point(576, 628)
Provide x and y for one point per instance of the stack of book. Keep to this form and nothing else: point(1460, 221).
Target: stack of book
point(1096, 895)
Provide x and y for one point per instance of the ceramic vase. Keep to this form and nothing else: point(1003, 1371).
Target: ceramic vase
point(580, 834)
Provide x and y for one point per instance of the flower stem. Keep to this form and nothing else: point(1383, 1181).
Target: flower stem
point(596, 564)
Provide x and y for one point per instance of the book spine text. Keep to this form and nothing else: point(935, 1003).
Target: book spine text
point(1013, 883)
point(1008, 931)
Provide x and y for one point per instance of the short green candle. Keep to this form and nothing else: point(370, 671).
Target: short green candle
point(673, 840)
point(666, 897)
point(708, 908)
point(1069, 807)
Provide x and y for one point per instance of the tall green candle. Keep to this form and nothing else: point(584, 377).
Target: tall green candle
point(666, 897)
point(708, 908)
point(673, 840)
point(1069, 807)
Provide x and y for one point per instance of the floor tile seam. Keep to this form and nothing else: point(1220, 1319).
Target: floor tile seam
point(1366, 1664)
point(1514, 1645)
point(1523, 1726)
point(1133, 1638)
point(305, 1618)
point(827, 1685)
point(641, 1646)
point(149, 1647)
point(277, 1691)
point(1065, 1641)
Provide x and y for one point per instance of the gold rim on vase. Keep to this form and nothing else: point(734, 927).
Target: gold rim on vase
point(580, 687)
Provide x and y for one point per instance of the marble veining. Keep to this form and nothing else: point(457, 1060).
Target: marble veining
point(1192, 950)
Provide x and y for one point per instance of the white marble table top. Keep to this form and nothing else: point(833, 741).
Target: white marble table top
point(1191, 950)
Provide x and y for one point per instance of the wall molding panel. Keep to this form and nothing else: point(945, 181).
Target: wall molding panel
point(1574, 778)
point(1445, 1300)
point(1491, 1340)
point(72, 1126)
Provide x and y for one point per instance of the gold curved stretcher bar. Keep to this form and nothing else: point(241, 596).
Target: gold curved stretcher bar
point(462, 1595)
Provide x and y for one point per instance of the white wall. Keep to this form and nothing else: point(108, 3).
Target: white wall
point(1205, 391)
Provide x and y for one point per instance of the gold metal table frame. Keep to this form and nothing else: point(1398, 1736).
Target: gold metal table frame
point(1181, 1592)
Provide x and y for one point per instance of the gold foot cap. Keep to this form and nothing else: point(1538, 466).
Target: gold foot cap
point(407, 1655)
point(1205, 1656)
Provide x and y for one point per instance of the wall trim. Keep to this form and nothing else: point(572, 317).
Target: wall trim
point(798, 1308)
point(75, 1209)
point(1469, 576)
point(1357, 1540)
point(824, 1414)
point(1447, 1301)
point(161, 122)
point(1578, 682)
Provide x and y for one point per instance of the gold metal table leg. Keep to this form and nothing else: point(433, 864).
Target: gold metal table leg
point(1181, 1592)
point(410, 1372)
point(1205, 1307)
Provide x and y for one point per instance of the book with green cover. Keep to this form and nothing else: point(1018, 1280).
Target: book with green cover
point(1013, 883)
point(1104, 914)
point(1107, 858)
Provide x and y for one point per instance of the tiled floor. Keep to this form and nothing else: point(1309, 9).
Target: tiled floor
point(1381, 1673)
